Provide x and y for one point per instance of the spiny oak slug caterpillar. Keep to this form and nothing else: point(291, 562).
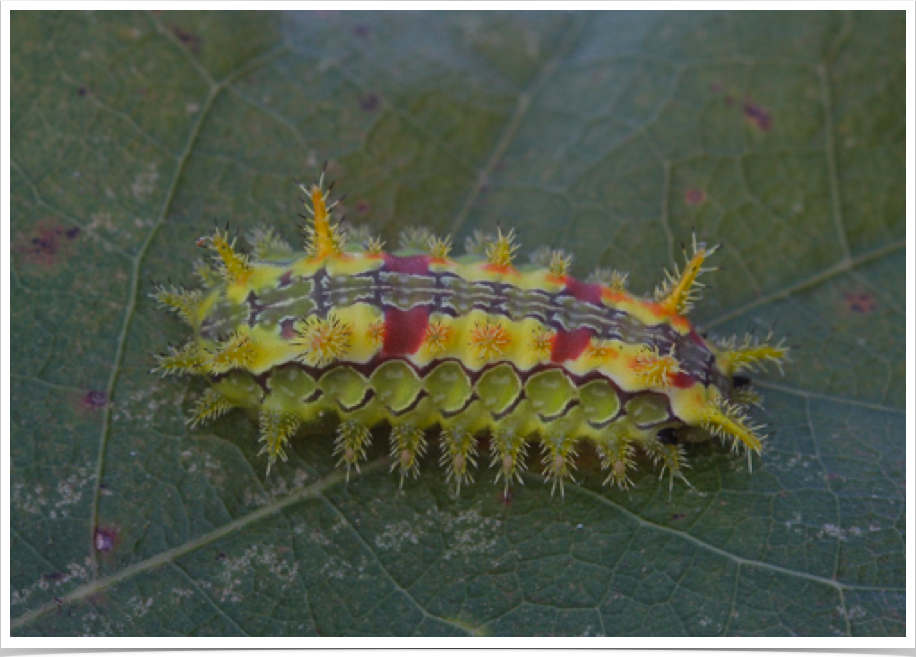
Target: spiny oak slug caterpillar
point(418, 339)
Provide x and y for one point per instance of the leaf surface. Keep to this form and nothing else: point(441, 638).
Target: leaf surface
point(609, 135)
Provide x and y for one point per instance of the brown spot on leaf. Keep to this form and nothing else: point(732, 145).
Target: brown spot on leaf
point(192, 41)
point(694, 196)
point(81, 92)
point(759, 116)
point(363, 207)
point(361, 31)
point(95, 400)
point(860, 303)
point(370, 101)
point(46, 244)
point(106, 539)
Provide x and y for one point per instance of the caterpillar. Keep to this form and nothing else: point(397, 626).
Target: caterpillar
point(473, 344)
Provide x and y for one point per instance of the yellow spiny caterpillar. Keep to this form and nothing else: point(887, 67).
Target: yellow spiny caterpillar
point(473, 344)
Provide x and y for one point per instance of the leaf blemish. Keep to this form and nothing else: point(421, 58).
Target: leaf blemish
point(47, 243)
point(860, 303)
point(106, 539)
point(694, 197)
point(759, 116)
point(192, 41)
point(370, 101)
point(95, 400)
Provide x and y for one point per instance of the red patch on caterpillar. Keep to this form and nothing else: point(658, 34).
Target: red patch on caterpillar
point(588, 292)
point(696, 337)
point(681, 380)
point(569, 345)
point(405, 330)
point(417, 264)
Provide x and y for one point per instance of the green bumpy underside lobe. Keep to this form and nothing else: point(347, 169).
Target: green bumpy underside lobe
point(417, 340)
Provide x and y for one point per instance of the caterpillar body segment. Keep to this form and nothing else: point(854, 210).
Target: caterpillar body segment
point(456, 348)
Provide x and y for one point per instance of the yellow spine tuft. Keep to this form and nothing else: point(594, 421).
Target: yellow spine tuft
point(210, 406)
point(502, 251)
point(751, 354)
point(238, 351)
point(375, 245)
point(610, 278)
point(437, 337)
point(459, 451)
point(489, 340)
point(186, 359)
point(184, 303)
point(558, 461)
point(617, 452)
point(559, 264)
point(673, 459)
point(680, 290)
point(726, 420)
point(408, 444)
point(233, 267)
point(376, 332)
point(440, 247)
point(542, 342)
point(323, 340)
point(276, 430)
point(266, 243)
point(654, 368)
point(323, 238)
point(350, 445)
point(509, 451)
point(599, 350)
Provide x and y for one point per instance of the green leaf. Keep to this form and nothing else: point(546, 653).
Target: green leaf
point(610, 135)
